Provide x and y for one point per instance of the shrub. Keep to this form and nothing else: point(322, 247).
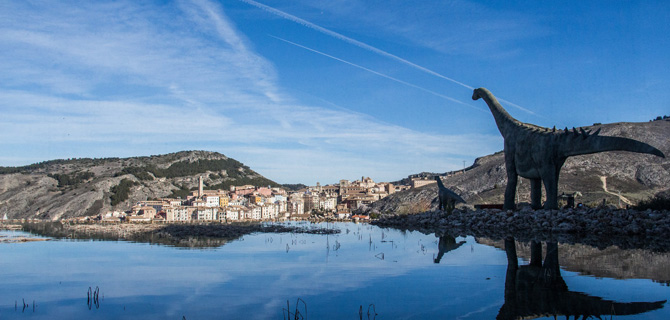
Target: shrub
point(73, 179)
point(181, 193)
point(139, 173)
point(654, 203)
point(121, 191)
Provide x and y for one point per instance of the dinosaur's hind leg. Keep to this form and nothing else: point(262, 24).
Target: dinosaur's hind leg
point(550, 180)
point(451, 204)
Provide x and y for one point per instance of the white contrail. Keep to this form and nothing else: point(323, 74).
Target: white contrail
point(520, 107)
point(380, 74)
point(351, 41)
point(365, 46)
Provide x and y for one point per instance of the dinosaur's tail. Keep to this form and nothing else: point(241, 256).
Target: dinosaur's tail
point(585, 143)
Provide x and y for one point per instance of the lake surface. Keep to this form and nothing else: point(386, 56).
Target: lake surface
point(395, 274)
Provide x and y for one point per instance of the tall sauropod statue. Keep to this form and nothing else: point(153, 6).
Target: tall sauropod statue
point(538, 153)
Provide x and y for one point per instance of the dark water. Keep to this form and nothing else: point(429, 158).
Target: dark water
point(397, 275)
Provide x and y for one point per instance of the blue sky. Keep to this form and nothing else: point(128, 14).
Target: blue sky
point(310, 90)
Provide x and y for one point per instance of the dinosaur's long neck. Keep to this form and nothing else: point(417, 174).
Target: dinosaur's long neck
point(577, 145)
point(504, 121)
point(439, 183)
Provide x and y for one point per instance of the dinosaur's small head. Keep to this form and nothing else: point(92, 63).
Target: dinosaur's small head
point(476, 94)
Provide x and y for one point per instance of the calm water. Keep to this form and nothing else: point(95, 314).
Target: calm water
point(401, 275)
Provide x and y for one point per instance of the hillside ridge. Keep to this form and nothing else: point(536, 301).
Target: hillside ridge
point(66, 188)
point(633, 176)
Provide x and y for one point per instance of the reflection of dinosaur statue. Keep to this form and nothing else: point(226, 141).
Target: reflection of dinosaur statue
point(538, 290)
point(446, 244)
point(448, 198)
point(538, 153)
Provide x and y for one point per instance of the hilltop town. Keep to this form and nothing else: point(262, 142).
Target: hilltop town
point(256, 203)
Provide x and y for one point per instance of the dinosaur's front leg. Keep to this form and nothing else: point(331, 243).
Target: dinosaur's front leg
point(536, 194)
point(510, 190)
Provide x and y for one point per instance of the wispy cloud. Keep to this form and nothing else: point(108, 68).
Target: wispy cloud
point(455, 28)
point(352, 41)
point(125, 78)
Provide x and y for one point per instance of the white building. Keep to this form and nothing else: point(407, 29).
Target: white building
point(296, 207)
point(269, 211)
point(234, 213)
point(171, 202)
point(328, 203)
point(280, 207)
point(256, 213)
point(179, 213)
point(211, 200)
point(206, 213)
point(278, 197)
point(240, 201)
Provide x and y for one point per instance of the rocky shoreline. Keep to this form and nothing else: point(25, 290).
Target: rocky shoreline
point(598, 227)
point(4, 239)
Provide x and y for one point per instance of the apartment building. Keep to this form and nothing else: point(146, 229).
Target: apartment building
point(180, 213)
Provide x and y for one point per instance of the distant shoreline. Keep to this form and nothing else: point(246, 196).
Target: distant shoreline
point(16, 239)
point(173, 234)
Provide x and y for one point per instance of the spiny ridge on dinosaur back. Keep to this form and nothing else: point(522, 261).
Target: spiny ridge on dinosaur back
point(542, 130)
point(566, 134)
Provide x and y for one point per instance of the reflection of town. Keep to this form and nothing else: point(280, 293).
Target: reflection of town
point(537, 290)
point(249, 203)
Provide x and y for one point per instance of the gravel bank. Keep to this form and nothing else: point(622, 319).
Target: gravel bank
point(599, 227)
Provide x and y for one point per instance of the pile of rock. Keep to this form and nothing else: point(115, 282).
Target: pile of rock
point(595, 226)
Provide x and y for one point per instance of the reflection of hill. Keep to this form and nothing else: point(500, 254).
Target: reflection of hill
point(177, 235)
point(611, 262)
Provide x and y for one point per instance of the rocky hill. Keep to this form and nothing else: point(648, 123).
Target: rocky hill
point(618, 177)
point(60, 189)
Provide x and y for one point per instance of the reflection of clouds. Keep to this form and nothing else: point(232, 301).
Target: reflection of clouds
point(304, 270)
point(120, 269)
point(246, 273)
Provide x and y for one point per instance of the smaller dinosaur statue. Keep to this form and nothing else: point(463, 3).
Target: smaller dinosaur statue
point(448, 199)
